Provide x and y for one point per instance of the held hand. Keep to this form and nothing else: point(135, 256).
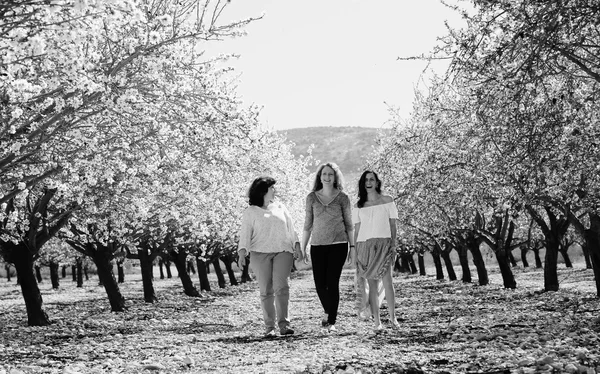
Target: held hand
point(298, 252)
point(351, 256)
point(306, 257)
point(242, 258)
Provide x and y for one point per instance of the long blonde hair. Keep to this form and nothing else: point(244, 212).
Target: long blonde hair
point(339, 177)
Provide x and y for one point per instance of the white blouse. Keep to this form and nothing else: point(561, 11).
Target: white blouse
point(374, 220)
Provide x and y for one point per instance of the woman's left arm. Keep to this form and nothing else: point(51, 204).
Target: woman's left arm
point(347, 216)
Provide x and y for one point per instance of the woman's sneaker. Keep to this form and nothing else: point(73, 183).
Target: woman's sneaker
point(270, 334)
point(286, 330)
point(329, 328)
point(324, 322)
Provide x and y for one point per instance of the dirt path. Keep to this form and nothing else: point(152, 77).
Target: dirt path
point(447, 327)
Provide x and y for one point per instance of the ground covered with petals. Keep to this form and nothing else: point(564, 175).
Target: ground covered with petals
point(446, 327)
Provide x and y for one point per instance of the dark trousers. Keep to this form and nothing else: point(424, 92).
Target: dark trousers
point(327, 264)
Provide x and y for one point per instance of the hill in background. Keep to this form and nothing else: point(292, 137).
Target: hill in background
point(349, 147)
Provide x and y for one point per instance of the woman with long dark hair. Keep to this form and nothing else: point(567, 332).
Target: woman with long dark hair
point(328, 225)
point(374, 218)
point(267, 233)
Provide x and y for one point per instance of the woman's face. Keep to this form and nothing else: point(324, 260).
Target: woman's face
point(328, 176)
point(370, 182)
point(270, 195)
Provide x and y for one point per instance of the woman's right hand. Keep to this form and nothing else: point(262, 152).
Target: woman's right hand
point(306, 257)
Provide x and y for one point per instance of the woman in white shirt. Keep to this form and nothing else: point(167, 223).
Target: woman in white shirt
point(375, 218)
point(267, 233)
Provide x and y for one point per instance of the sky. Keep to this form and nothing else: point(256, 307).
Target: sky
point(333, 62)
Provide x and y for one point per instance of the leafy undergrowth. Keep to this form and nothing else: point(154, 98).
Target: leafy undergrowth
point(446, 327)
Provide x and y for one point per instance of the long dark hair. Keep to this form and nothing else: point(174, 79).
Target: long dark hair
point(339, 177)
point(362, 190)
point(258, 189)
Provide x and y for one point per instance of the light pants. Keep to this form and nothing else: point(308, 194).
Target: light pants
point(272, 272)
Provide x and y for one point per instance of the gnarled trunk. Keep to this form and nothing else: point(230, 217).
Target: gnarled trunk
point(421, 261)
point(479, 263)
point(449, 267)
point(54, 275)
point(203, 275)
point(230, 273)
point(550, 266)
point(566, 258)
point(107, 279)
point(464, 264)
point(147, 281)
point(23, 261)
point(508, 277)
point(186, 281)
point(524, 250)
point(79, 266)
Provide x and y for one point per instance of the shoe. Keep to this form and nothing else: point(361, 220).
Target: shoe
point(378, 328)
point(330, 328)
point(286, 330)
point(324, 320)
point(270, 333)
point(395, 324)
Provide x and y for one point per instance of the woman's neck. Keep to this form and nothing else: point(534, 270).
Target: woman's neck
point(328, 190)
point(372, 196)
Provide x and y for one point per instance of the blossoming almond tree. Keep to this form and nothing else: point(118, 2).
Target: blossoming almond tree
point(77, 78)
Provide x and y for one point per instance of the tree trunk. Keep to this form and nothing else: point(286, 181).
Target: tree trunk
point(479, 263)
point(160, 269)
point(54, 275)
point(567, 259)
point(168, 269)
point(38, 273)
point(524, 250)
point(411, 263)
point(79, 263)
point(439, 272)
point(64, 271)
point(538, 260)
point(592, 238)
point(246, 271)
point(463, 257)
point(23, 261)
point(107, 279)
point(85, 272)
point(511, 259)
point(449, 267)
point(120, 272)
point(421, 261)
point(505, 269)
point(74, 273)
point(219, 272)
point(186, 281)
point(7, 267)
point(550, 266)
point(586, 255)
point(203, 275)
point(190, 267)
point(227, 261)
point(146, 269)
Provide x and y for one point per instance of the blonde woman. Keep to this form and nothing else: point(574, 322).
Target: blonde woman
point(328, 226)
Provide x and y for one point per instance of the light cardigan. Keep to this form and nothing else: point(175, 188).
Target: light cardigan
point(374, 220)
point(268, 230)
point(330, 223)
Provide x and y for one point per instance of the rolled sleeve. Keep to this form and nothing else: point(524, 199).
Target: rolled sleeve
point(245, 233)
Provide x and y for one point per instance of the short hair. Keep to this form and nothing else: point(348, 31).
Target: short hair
point(339, 177)
point(258, 189)
point(362, 190)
